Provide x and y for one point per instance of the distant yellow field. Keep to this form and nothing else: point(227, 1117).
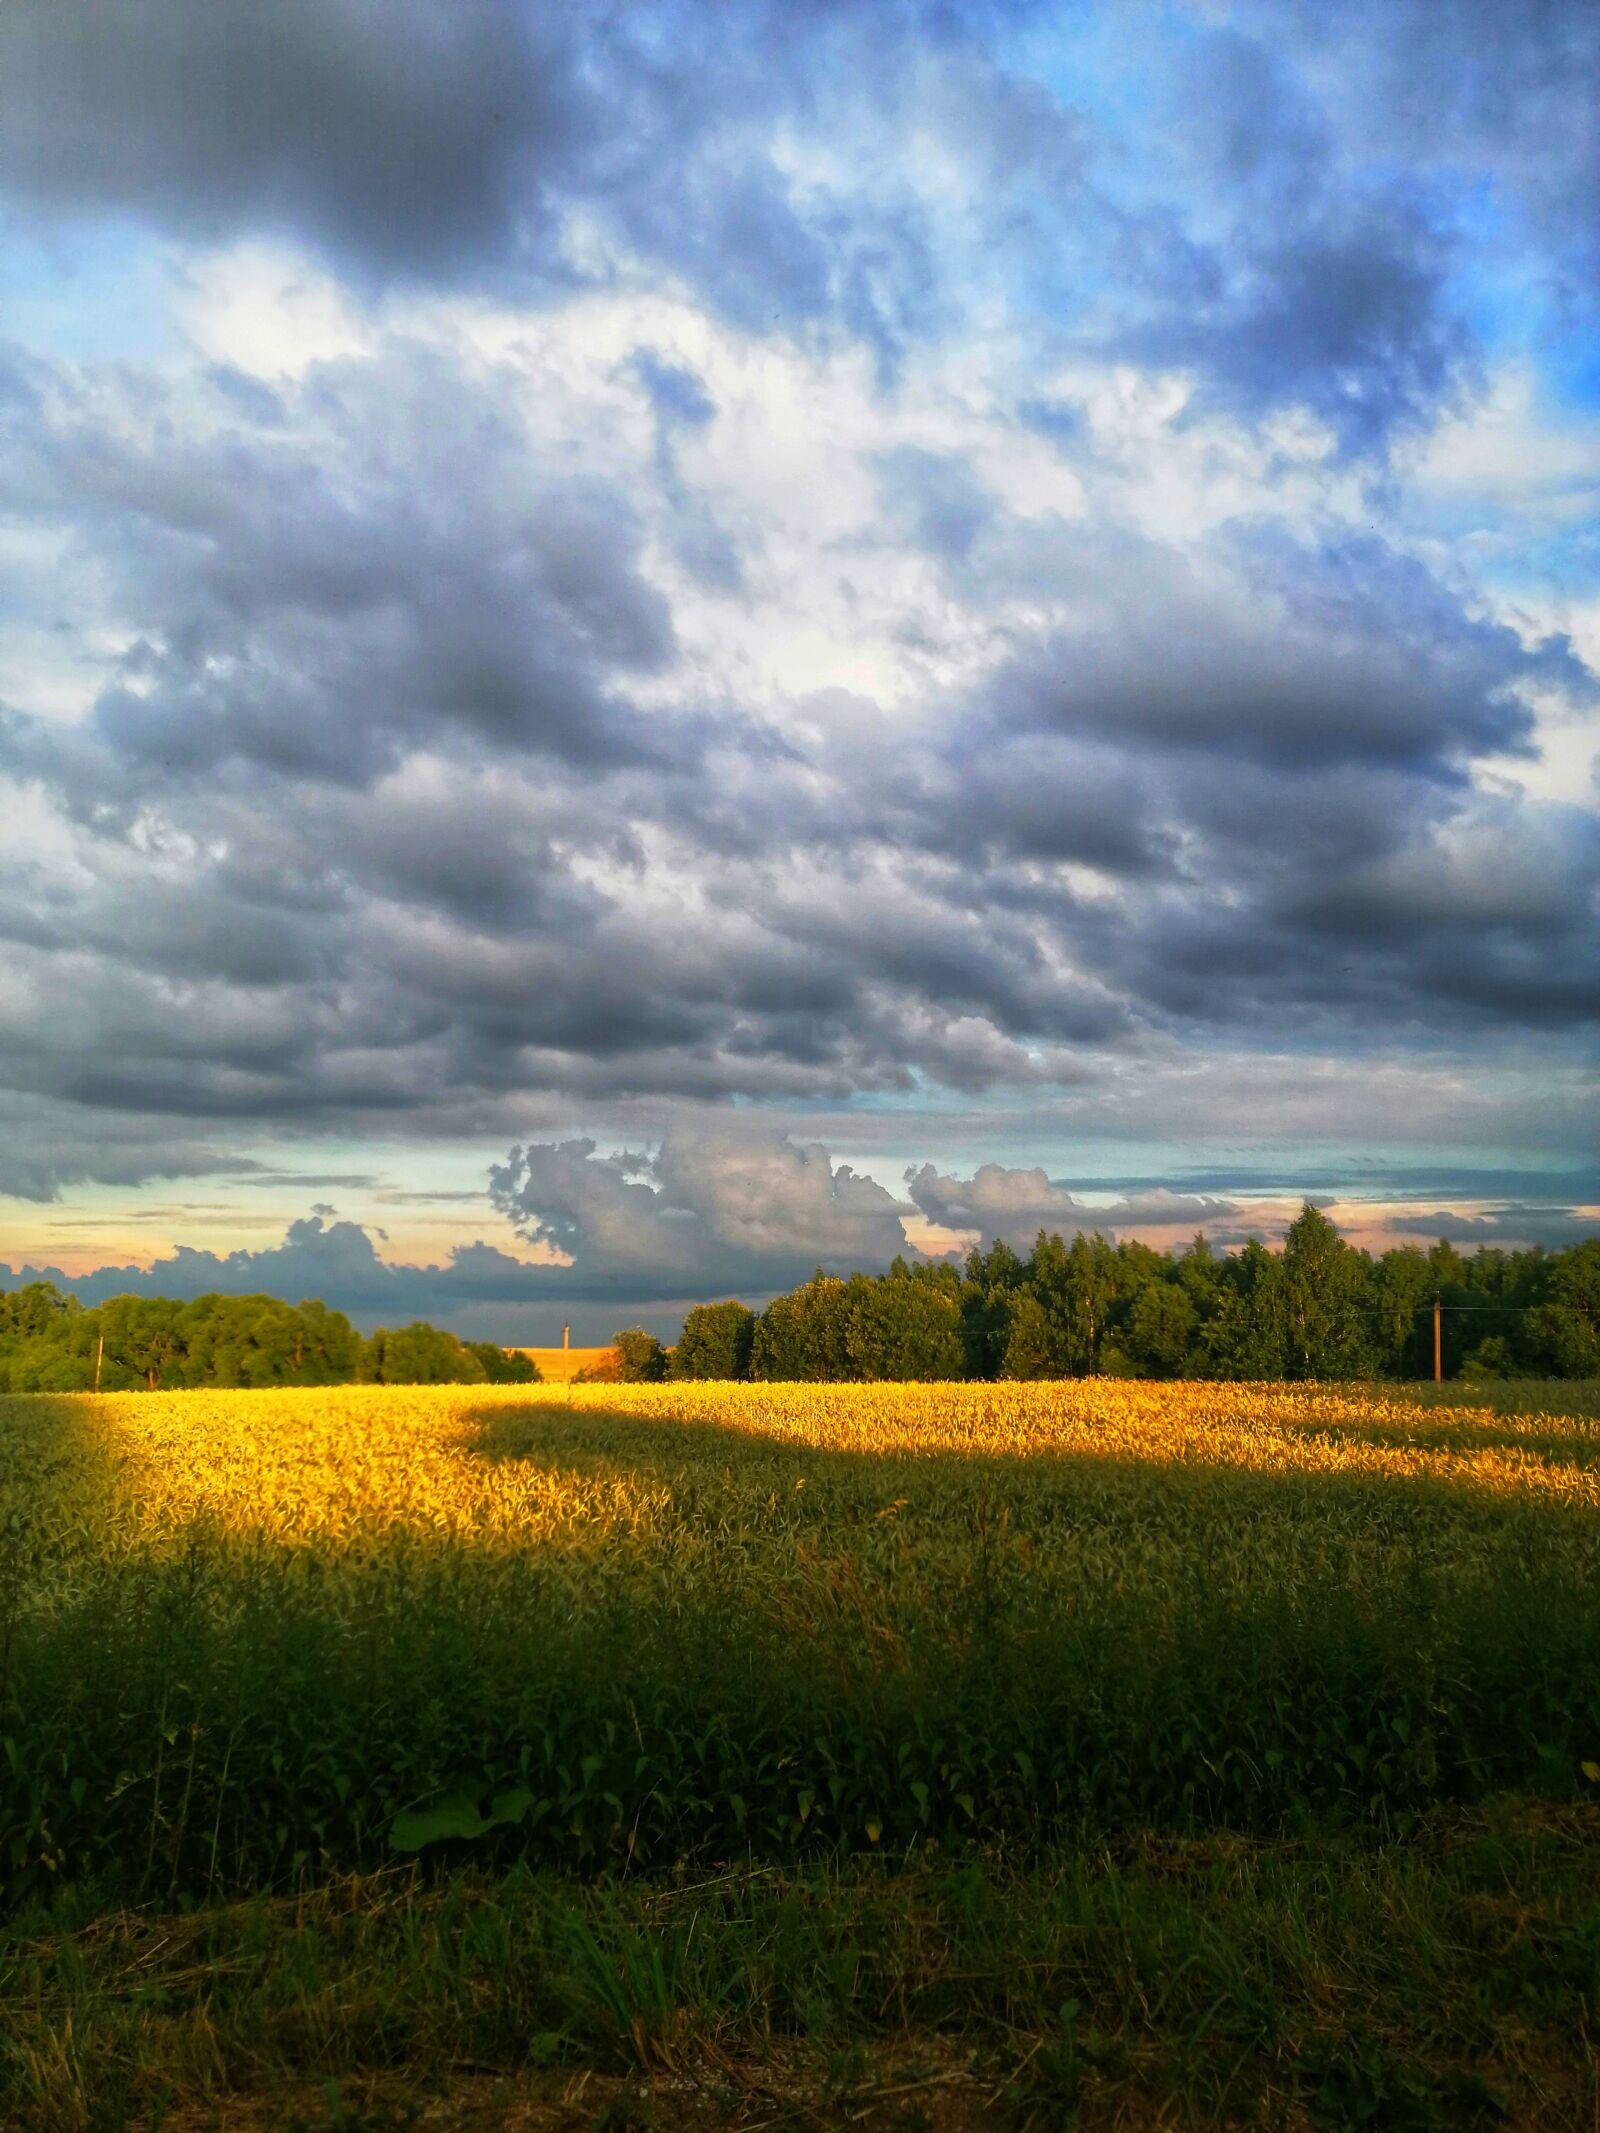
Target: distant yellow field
point(558, 1365)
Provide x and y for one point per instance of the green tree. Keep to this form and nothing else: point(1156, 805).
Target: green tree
point(36, 1326)
point(1092, 1292)
point(257, 1340)
point(1403, 1284)
point(38, 1308)
point(1246, 1337)
point(419, 1354)
point(1324, 1290)
point(61, 1360)
point(641, 1359)
point(905, 1325)
point(504, 1366)
point(1161, 1329)
point(1564, 1334)
point(1446, 1265)
point(716, 1341)
point(144, 1341)
point(987, 1292)
point(1076, 1287)
point(801, 1338)
point(1203, 1275)
point(1030, 1350)
point(328, 1347)
point(1492, 1358)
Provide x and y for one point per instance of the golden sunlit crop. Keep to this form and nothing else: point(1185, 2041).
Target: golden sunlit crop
point(332, 1465)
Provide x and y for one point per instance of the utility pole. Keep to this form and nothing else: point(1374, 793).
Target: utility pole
point(99, 1358)
point(1438, 1353)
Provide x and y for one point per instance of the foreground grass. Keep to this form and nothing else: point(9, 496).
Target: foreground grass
point(1446, 1982)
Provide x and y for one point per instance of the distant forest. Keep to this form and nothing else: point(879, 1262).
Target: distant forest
point(50, 1343)
point(1319, 1308)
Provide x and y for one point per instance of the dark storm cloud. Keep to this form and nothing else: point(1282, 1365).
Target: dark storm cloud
point(1281, 222)
point(1499, 917)
point(1343, 316)
point(912, 934)
point(1306, 656)
point(1378, 895)
point(415, 137)
point(996, 795)
point(371, 902)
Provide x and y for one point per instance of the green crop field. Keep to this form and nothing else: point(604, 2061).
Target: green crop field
point(940, 1755)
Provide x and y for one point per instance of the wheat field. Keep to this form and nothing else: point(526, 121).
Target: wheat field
point(250, 1633)
point(332, 1468)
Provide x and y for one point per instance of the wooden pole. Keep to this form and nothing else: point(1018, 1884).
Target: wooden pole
point(1438, 1352)
point(99, 1358)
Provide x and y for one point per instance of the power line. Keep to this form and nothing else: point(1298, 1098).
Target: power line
point(1373, 1303)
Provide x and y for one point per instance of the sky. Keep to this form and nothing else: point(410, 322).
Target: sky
point(644, 648)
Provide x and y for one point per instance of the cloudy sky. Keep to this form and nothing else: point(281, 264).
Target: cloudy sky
point(643, 646)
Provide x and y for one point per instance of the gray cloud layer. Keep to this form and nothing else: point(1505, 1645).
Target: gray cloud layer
point(368, 818)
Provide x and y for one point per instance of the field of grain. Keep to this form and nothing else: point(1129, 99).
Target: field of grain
point(558, 1366)
point(256, 1642)
point(248, 1631)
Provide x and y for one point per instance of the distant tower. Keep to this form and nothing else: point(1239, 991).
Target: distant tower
point(566, 1336)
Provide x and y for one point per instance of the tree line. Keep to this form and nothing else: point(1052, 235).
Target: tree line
point(51, 1343)
point(1317, 1308)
